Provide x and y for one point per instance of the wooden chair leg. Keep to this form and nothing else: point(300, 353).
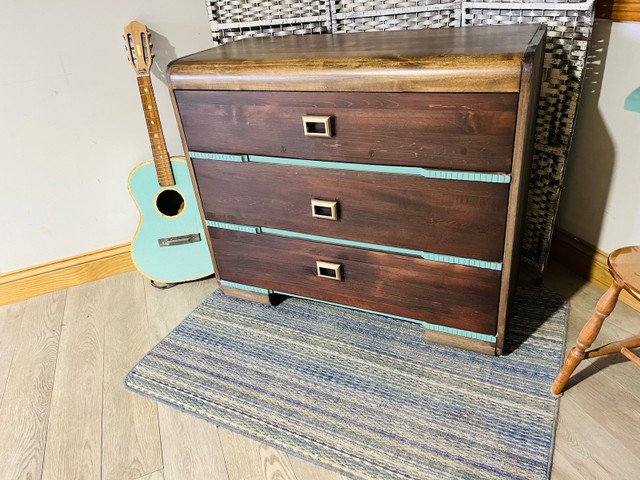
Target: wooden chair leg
point(614, 347)
point(625, 351)
point(590, 331)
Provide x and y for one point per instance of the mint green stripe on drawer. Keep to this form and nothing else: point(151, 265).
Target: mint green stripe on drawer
point(219, 156)
point(249, 288)
point(470, 262)
point(233, 226)
point(430, 326)
point(397, 169)
point(361, 167)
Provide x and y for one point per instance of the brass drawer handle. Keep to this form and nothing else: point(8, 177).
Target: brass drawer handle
point(329, 270)
point(324, 209)
point(317, 126)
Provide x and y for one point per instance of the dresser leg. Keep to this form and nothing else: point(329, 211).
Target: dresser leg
point(263, 298)
point(588, 334)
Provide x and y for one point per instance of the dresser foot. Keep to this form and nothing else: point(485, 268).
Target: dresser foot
point(270, 299)
point(457, 341)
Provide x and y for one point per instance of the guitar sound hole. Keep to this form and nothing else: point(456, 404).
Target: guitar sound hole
point(170, 203)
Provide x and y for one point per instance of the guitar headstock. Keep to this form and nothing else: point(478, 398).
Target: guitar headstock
point(138, 48)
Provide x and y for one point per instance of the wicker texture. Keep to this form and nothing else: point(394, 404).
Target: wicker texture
point(569, 27)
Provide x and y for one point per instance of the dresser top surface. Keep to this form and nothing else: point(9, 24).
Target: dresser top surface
point(448, 59)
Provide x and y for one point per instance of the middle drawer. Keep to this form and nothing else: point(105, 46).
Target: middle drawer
point(450, 217)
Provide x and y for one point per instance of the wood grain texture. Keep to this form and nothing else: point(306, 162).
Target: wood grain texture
point(250, 460)
point(624, 266)
point(450, 59)
point(130, 433)
point(304, 470)
point(74, 436)
point(10, 321)
point(191, 447)
point(196, 189)
point(522, 154)
point(154, 129)
point(242, 294)
point(25, 407)
point(452, 295)
point(587, 450)
point(69, 272)
point(451, 217)
point(621, 10)
point(444, 338)
point(471, 131)
point(157, 475)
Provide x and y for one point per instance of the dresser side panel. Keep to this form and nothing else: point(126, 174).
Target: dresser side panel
point(523, 153)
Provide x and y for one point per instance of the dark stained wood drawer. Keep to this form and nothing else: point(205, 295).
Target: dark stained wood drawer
point(451, 217)
point(463, 131)
point(455, 296)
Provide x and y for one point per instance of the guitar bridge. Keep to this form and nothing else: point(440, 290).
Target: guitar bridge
point(179, 240)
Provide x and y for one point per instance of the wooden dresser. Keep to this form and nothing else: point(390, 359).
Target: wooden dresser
point(382, 171)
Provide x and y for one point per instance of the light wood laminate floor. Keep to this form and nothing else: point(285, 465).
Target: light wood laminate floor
point(64, 413)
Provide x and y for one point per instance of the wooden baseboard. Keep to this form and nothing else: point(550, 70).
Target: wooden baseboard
point(29, 282)
point(585, 260)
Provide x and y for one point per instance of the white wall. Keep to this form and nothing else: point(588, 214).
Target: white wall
point(71, 121)
point(601, 201)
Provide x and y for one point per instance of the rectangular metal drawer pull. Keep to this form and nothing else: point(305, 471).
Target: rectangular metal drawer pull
point(317, 126)
point(329, 270)
point(324, 209)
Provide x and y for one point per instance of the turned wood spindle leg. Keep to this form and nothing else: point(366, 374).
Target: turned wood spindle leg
point(589, 332)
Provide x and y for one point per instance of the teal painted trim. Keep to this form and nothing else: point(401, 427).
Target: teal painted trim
point(429, 326)
point(385, 248)
point(436, 257)
point(233, 226)
point(361, 167)
point(219, 156)
point(632, 102)
point(245, 287)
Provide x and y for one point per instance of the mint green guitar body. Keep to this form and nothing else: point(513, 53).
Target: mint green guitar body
point(170, 245)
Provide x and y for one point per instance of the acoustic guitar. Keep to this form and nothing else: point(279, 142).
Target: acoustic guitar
point(170, 244)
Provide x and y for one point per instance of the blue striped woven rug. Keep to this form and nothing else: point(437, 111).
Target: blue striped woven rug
point(365, 394)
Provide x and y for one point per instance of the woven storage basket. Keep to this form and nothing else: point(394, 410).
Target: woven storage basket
point(569, 27)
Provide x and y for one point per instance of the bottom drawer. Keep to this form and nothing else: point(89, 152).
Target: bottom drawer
point(451, 295)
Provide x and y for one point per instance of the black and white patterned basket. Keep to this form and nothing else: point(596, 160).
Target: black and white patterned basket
point(569, 27)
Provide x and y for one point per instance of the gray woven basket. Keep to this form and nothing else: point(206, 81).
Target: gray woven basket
point(569, 27)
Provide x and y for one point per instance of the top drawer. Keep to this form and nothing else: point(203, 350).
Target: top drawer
point(466, 131)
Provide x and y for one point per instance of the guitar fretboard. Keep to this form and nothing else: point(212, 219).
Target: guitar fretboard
point(154, 128)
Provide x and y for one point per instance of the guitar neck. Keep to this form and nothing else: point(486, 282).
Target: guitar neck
point(154, 128)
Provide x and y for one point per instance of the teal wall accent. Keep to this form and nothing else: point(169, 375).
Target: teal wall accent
point(470, 262)
point(632, 102)
point(360, 167)
point(430, 326)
